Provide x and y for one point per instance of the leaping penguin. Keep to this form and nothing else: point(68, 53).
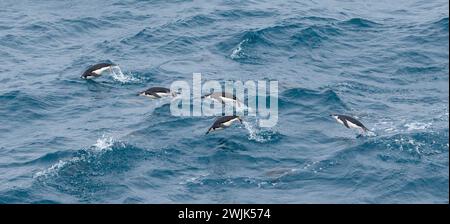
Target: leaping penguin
point(223, 98)
point(157, 92)
point(223, 122)
point(349, 122)
point(96, 70)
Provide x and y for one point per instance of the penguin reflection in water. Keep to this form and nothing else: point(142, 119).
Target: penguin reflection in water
point(351, 123)
point(95, 71)
point(223, 122)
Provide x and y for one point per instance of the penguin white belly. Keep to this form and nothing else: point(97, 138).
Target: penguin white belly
point(351, 125)
point(163, 94)
point(90, 77)
point(229, 123)
point(339, 121)
point(149, 96)
point(100, 70)
point(227, 100)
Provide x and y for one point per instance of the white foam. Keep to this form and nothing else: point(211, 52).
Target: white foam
point(417, 126)
point(102, 144)
point(118, 75)
point(53, 169)
point(256, 134)
point(237, 53)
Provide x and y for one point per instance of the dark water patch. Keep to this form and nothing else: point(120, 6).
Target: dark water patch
point(181, 45)
point(359, 23)
point(309, 98)
point(419, 70)
point(145, 34)
point(47, 159)
point(81, 26)
point(415, 100)
point(442, 24)
point(253, 46)
point(17, 105)
point(16, 42)
point(38, 27)
point(16, 196)
point(359, 88)
point(415, 57)
point(196, 21)
point(121, 16)
point(236, 14)
point(314, 36)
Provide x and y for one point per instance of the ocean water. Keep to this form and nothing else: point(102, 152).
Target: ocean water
point(68, 140)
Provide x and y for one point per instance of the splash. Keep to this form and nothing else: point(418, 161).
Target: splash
point(52, 170)
point(118, 75)
point(237, 53)
point(258, 135)
point(102, 144)
point(417, 126)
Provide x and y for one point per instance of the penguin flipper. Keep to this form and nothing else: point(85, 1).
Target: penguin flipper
point(346, 124)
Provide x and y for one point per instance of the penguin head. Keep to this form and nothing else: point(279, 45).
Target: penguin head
point(335, 116)
point(88, 75)
point(175, 93)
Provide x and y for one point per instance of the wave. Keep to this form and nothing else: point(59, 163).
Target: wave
point(26, 106)
point(260, 135)
point(250, 46)
point(320, 101)
point(80, 26)
point(408, 70)
point(234, 14)
point(442, 24)
point(359, 23)
point(90, 170)
point(102, 144)
point(400, 154)
point(314, 36)
point(196, 21)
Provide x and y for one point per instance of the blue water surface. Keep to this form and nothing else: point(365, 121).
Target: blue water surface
point(68, 140)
